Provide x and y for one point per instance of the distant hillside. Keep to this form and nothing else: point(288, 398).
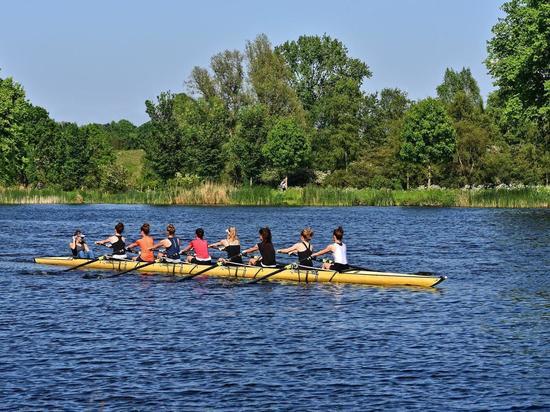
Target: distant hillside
point(132, 160)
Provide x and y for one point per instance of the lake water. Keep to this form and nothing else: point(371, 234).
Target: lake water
point(479, 341)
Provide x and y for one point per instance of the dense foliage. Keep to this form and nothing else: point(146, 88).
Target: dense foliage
point(299, 110)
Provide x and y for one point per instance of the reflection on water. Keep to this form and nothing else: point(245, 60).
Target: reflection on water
point(479, 341)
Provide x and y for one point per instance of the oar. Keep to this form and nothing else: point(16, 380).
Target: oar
point(264, 277)
point(85, 263)
point(200, 272)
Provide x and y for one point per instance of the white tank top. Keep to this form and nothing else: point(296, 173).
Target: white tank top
point(340, 254)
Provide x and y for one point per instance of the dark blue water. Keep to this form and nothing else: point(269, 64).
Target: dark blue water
point(479, 342)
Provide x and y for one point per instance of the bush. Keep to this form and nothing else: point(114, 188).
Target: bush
point(114, 178)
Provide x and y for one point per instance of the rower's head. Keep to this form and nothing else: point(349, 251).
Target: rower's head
point(119, 228)
point(306, 234)
point(265, 234)
point(171, 229)
point(145, 228)
point(231, 233)
point(199, 232)
point(338, 234)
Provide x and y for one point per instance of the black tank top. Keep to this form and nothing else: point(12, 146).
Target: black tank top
point(232, 252)
point(304, 257)
point(119, 247)
point(268, 253)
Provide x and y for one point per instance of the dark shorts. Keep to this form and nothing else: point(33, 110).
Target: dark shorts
point(201, 262)
point(139, 259)
point(338, 267)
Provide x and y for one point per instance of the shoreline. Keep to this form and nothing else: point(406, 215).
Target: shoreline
point(212, 194)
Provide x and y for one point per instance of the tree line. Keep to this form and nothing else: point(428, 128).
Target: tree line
point(298, 109)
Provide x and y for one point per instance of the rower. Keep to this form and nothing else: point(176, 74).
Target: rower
point(117, 243)
point(338, 249)
point(267, 251)
point(171, 246)
point(145, 244)
point(200, 246)
point(231, 245)
point(303, 248)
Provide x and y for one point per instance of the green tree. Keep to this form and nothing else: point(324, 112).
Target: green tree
point(122, 135)
point(317, 63)
point(226, 83)
point(288, 148)
point(245, 160)
point(519, 56)
point(460, 83)
point(163, 151)
point(471, 146)
point(13, 108)
point(328, 83)
point(270, 78)
point(381, 113)
point(201, 83)
point(429, 137)
point(41, 132)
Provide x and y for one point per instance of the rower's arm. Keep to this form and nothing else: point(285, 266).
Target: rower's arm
point(216, 245)
point(108, 240)
point(289, 250)
point(326, 250)
point(251, 249)
point(132, 245)
point(187, 248)
point(158, 245)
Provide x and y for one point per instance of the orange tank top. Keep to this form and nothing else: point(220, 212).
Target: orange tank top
point(144, 244)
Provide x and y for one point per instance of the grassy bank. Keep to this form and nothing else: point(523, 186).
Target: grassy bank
point(217, 194)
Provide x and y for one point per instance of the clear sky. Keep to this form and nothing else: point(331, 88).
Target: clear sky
point(97, 61)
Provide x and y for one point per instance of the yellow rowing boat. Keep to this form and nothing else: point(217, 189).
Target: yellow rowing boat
point(359, 277)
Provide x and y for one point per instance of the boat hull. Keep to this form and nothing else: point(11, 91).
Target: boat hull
point(359, 277)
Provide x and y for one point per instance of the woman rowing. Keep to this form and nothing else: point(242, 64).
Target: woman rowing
point(200, 246)
point(231, 245)
point(117, 242)
point(303, 248)
point(171, 245)
point(145, 244)
point(267, 251)
point(338, 250)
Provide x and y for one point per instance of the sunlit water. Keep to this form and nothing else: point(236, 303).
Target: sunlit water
point(480, 341)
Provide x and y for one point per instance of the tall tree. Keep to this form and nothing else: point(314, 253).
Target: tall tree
point(201, 83)
point(317, 63)
point(229, 78)
point(328, 83)
point(270, 78)
point(519, 61)
point(245, 160)
point(460, 83)
point(429, 137)
point(287, 149)
point(13, 108)
point(163, 151)
point(202, 127)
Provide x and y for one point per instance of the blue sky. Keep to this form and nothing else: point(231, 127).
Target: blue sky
point(98, 61)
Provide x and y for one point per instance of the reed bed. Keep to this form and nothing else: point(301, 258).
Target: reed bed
point(210, 193)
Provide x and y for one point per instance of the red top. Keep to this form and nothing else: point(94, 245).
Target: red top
point(200, 246)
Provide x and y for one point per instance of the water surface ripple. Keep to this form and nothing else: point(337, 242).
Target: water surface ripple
point(478, 342)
